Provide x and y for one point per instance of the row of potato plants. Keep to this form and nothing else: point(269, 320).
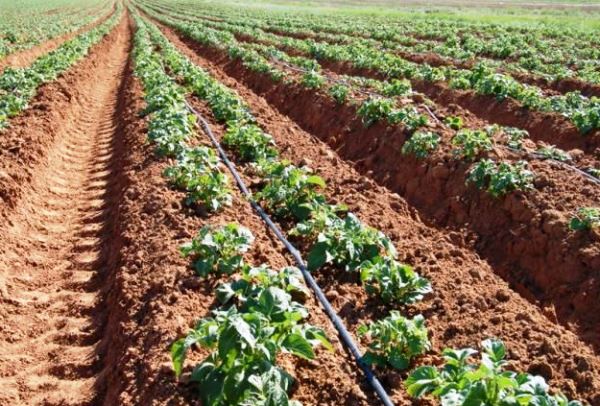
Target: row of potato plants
point(535, 47)
point(337, 238)
point(582, 111)
point(497, 178)
point(28, 25)
point(19, 85)
point(512, 53)
point(469, 144)
point(261, 313)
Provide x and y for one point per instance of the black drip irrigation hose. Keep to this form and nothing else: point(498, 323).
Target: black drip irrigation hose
point(331, 313)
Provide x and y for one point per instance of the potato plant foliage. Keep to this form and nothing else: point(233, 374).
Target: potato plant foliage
point(461, 382)
point(395, 340)
point(219, 250)
point(500, 179)
point(586, 218)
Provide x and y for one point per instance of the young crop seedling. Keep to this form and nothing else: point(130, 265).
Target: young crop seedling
point(586, 218)
point(454, 122)
point(395, 340)
point(291, 191)
point(471, 143)
point(321, 218)
point(210, 191)
point(409, 116)
point(348, 243)
point(501, 179)
point(241, 368)
point(397, 87)
point(219, 250)
point(393, 281)
point(375, 109)
point(514, 137)
point(250, 142)
point(339, 93)
point(460, 382)
point(551, 152)
point(312, 80)
point(421, 144)
point(246, 339)
point(191, 163)
point(289, 279)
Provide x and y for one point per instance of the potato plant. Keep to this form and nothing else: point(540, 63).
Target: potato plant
point(250, 143)
point(500, 179)
point(460, 382)
point(395, 340)
point(348, 243)
point(471, 143)
point(421, 144)
point(394, 282)
point(586, 218)
point(219, 250)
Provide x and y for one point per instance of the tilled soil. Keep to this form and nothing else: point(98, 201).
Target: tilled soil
point(93, 289)
point(524, 236)
point(551, 128)
point(26, 57)
point(57, 235)
point(471, 301)
point(162, 298)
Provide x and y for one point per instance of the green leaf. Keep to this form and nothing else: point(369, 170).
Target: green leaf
point(316, 180)
point(298, 345)
point(421, 381)
point(495, 349)
point(317, 256)
point(178, 352)
point(398, 360)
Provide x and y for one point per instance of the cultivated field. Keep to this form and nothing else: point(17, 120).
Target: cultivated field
point(281, 203)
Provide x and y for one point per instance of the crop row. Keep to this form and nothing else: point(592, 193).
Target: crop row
point(468, 143)
point(532, 51)
point(334, 237)
point(385, 89)
point(420, 180)
point(19, 85)
point(22, 30)
point(258, 318)
point(583, 112)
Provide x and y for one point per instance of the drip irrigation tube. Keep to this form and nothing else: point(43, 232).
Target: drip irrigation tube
point(331, 313)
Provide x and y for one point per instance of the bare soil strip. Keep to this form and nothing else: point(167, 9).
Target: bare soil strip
point(471, 302)
point(58, 251)
point(26, 57)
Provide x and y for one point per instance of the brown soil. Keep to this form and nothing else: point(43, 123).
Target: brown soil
point(431, 58)
point(26, 57)
point(470, 302)
point(549, 87)
point(162, 297)
point(93, 289)
point(551, 128)
point(61, 182)
point(525, 236)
